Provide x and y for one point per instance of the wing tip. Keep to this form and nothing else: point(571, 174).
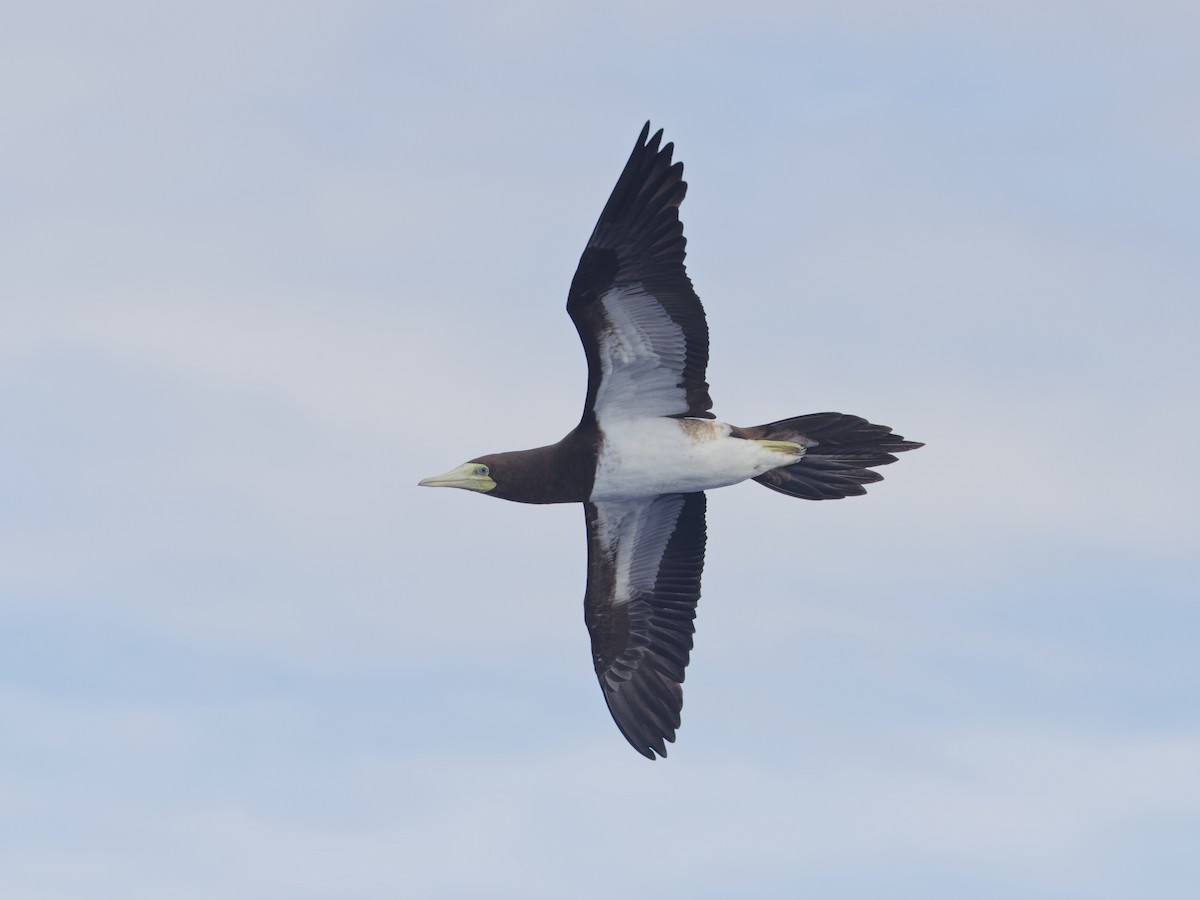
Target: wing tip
point(652, 142)
point(640, 716)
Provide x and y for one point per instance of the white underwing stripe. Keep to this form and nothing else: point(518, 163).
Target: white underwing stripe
point(635, 534)
point(642, 355)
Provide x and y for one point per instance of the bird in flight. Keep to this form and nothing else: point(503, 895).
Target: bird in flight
point(647, 448)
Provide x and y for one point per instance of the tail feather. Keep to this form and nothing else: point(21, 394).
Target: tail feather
point(840, 452)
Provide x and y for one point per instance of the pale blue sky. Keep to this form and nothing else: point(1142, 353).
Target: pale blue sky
point(267, 264)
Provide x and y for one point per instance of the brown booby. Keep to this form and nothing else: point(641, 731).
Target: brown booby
point(647, 448)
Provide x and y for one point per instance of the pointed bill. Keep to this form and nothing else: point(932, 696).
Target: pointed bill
point(468, 476)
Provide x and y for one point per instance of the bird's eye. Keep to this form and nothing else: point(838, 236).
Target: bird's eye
point(482, 470)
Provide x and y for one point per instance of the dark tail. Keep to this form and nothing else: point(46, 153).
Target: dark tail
point(840, 452)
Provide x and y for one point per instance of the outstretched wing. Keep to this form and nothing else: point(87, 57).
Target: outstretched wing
point(641, 323)
point(645, 558)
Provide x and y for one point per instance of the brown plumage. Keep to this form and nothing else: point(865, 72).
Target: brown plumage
point(647, 447)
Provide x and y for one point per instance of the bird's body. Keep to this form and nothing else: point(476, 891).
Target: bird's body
point(647, 448)
point(645, 456)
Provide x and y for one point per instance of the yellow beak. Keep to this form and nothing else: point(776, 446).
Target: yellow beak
point(469, 476)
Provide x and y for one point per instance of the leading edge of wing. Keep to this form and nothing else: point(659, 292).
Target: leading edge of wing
point(636, 254)
point(645, 560)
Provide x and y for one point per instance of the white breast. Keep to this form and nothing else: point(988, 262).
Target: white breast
point(643, 457)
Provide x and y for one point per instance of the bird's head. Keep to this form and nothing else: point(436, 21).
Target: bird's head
point(476, 475)
point(523, 476)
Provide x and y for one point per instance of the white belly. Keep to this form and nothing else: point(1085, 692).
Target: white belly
point(646, 457)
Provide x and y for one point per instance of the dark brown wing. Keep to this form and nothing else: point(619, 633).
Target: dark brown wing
point(645, 558)
point(641, 323)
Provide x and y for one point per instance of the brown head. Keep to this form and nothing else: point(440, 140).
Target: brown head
point(559, 473)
